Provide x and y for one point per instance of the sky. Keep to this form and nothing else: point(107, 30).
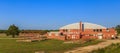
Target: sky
point(53, 14)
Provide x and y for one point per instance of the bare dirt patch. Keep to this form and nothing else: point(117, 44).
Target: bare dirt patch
point(90, 48)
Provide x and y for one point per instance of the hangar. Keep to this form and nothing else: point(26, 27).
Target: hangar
point(82, 30)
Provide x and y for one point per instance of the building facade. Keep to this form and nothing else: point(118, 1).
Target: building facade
point(82, 30)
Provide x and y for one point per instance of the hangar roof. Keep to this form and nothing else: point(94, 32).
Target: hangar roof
point(86, 26)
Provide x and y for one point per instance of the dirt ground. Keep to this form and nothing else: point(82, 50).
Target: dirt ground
point(90, 48)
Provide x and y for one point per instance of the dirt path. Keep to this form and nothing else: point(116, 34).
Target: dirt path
point(90, 48)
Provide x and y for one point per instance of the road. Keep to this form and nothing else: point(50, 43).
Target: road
point(90, 48)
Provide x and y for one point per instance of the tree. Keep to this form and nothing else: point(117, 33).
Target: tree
point(2, 31)
point(118, 29)
point(12, 30)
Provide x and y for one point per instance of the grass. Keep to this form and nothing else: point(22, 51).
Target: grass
point(113, 48)
point(2, 35)
point(49, 46)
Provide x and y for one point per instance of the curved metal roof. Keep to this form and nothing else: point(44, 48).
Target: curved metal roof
point(86, 26)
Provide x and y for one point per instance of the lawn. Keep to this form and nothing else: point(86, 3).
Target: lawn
point(49, 46)
point(113, 48)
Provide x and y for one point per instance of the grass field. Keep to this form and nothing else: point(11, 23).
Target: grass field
point(113, 48)
point(49, 46)
point(2, 35)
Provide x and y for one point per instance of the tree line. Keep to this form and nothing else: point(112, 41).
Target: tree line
point(14, 31)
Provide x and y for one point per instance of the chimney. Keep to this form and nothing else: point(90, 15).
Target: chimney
point(80, 26)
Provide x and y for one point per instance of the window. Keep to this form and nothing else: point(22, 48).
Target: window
point(66, 30)
point(61, 34)
point(100, 30)
point(107, 30)
point(94, 30)
point(97, 30)
point(63, 30)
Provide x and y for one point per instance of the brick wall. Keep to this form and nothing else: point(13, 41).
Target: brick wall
point(55, 36)
point(75, 34)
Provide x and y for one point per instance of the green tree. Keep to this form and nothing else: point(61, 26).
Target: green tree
point(118, 29)
point(13, 30)
point(2, 31)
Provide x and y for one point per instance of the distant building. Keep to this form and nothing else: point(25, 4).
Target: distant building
point(29, 36)
point(82, 30)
